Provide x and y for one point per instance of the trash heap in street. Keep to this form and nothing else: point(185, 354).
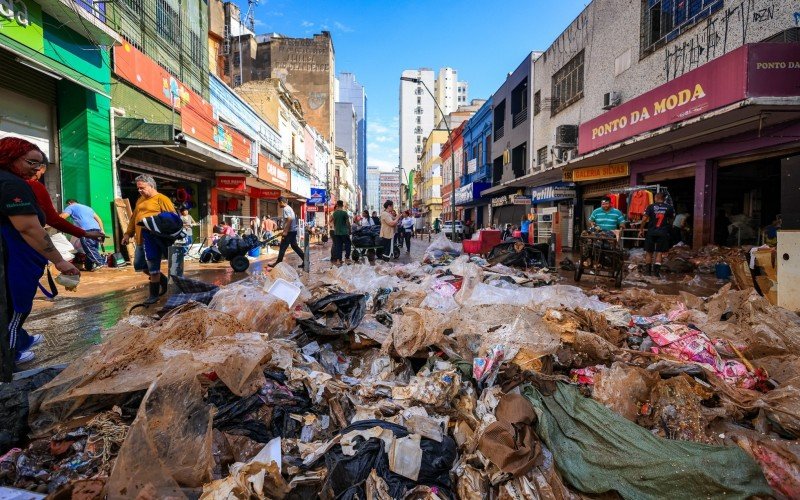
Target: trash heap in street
point(449, 378)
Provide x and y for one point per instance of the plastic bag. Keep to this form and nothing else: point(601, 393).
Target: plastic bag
point(169, 444)
point(441, 251)
point(336, 314)
point(623, 388)
point(255, 309)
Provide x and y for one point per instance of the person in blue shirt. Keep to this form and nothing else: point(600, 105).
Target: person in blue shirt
point(524, 228)
point(607, 218)
point(88, 220)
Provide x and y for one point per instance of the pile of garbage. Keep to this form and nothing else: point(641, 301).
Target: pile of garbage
point(449, 378)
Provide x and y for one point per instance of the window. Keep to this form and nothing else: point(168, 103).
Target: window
point(568, 84)
point(541, 156)
point(168, 23)
point(663, 20)
point(134, 7)
point(418, 130)
point(195, 47)
point(487, 151)
point(419, 120)
point(519, 159)
point(418, 91)
point(499, 120)
point(237, 80)
point(497, 170)
point(418, 110)
point(419, 101)
point(236, 59)
point(537, 102)
point(519, 103)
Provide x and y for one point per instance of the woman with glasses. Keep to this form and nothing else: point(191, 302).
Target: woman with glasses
point(149, 252)
point(27, 247)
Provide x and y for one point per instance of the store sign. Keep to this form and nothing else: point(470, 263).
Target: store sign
point(598, 172)
point(22, 21)
point(313, 208)
point(318, 196)
point(265, 194)
point(271, 172)
point(521, 199)
point(696, 92)
point(470, 192)
point(773, 68)
point(502, 200)
point(553, 192)
point(300, 184)
point(145, 74)
point(233, 183)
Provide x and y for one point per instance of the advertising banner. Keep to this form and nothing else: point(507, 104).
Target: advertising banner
point(273, 173)
point(318, 196)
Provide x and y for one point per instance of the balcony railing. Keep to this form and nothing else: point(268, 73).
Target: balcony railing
point(499, 133)
point(520, 117)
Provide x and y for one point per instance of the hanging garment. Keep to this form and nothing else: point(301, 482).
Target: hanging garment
point(639, 202)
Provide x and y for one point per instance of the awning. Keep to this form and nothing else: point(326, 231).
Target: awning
point(530, 180)
point(58, 69)
point(757, 113)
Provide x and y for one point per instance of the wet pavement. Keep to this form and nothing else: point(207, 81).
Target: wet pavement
point(74, 322)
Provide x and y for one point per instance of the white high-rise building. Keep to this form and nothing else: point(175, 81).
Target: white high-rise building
point(450, 93)
point(418, 113)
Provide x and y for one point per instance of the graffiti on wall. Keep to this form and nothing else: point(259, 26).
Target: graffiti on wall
point(724, 31)
point(572, 40)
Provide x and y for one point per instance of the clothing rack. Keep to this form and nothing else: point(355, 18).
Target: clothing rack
point(630, 189)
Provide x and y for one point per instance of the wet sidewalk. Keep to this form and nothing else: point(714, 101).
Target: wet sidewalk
point(74, 321)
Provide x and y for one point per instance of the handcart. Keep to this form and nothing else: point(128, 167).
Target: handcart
point(602, 254)
point(366, 243)
point(236, 248)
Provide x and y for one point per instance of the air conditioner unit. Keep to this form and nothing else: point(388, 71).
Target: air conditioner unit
point(566, 136)
point(572, 154)
point(611, 99)
point(547, 165)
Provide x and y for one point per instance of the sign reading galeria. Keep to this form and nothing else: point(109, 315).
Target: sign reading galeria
point(713, 85)
point(597, 172)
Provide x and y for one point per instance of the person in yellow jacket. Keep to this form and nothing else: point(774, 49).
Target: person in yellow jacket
point(148, 260)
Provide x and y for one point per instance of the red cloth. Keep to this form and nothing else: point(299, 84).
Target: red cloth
point(51, 215)
point(639, 203)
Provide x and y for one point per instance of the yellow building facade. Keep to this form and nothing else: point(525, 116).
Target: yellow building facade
point(431, 163)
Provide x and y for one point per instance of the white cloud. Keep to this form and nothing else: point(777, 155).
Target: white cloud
point(342, 27)
point(382, 138)
point(306, 24)
point(383, 165)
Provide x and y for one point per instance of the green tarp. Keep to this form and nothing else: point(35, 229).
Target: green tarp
point(597, 451)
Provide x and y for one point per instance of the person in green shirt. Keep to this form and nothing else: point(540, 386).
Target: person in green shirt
point(437, 225)
point(340, 221)
point(607, 218)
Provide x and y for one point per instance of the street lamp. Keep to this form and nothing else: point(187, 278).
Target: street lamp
point(452, 152)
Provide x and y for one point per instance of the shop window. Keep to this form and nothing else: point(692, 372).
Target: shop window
point(664, 20)
point(568, 84)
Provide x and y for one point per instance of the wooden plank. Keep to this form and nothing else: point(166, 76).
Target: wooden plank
point(124, 214)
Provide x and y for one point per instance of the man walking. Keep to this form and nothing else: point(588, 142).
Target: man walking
point(289, 233)
point(88, 220)
point(657, 219)
point(340, 222)
point(607, 218)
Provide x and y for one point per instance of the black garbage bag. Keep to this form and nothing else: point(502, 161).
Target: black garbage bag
point(347, 475)
point(234, 246)
point(336, 314)
point(210, 254)
point(240, 416)
point(14, 406)
point(518, 254)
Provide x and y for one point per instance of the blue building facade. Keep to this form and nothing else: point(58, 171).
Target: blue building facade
point(477, 174)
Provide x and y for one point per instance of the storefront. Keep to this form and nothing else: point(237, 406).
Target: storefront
point(719, 145)
point(592, 184)
point(510, 209)
point(273, 176)
point(554, 213)
point(54, 90)
point(475, 208)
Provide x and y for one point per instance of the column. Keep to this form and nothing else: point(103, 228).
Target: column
point(705, 190)
point(85, 141)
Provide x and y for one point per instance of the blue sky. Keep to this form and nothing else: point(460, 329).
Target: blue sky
point(378, 39)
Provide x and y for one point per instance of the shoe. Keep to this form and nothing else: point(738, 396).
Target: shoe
point(37, 339)
point(648, 270)
point(657, 270)
point(154, 294)
point(25, 357)
point(163, 283)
